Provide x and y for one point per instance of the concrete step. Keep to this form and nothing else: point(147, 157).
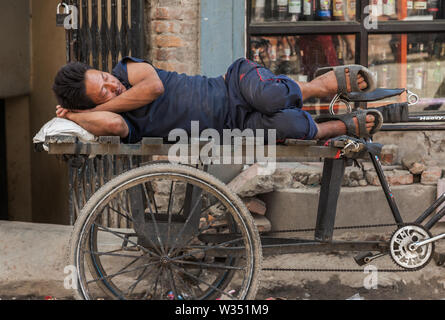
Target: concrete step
point(33, 258)
point(297, 208)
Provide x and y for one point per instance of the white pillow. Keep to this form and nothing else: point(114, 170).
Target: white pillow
point(63, 127)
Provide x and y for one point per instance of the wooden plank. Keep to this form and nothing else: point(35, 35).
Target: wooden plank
point(283, 153)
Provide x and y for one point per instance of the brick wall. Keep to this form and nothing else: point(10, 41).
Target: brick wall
point(173, 40)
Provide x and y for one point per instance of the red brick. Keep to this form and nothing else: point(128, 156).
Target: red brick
point(394, 177)
point(189, 13)
point(388, 155)
point(255, 205)
point(160, 26)
point(167, 26)
point(399, 177)
point(431, 175)
point(168, 41)
point(165, 13)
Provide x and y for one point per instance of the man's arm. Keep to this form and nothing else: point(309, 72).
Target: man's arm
point(100, 123)
point(146, 87)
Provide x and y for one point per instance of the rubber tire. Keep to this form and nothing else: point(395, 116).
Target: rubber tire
point(179, 169)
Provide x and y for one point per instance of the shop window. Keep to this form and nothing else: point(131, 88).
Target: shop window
point(402, 42)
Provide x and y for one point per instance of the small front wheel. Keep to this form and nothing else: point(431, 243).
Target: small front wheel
point(166, 231)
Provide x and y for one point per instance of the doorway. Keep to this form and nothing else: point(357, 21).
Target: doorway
point(3, 174)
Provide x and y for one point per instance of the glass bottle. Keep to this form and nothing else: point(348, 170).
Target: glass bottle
point(338, 9)
point(269, 9)
point(273, 54)
point(256, 55)
point(389, 8)
point(308, 10)
point(340, 55)
point(324, 10)
point(420, 7)
point(259, 11)
point(420, 72)
point(295, 7)
point(281, 9)
point(377, 8)
point(433, 8)
point(303, 76)
point(351, 9)
point(285, 62)
point(410, 8)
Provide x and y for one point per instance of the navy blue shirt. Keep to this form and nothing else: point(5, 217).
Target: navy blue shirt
point(185, 99)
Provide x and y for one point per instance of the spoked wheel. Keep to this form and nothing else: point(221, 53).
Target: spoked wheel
point(165, 232)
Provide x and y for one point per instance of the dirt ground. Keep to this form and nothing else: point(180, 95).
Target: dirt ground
point(425, 284)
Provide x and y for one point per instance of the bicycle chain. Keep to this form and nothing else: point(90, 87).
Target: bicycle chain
point(333, 270)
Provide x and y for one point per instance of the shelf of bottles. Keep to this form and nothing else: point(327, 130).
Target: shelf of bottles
point(406, 50)
point(267, 11)
point(415, 61)
point(264, 11)
point(418, 10)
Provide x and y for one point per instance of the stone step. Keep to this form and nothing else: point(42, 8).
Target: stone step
point(297, 208)
point(262, 223)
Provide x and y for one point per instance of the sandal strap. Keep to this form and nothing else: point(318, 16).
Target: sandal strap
point(348, 120)
point(354, 70)
point(341, 80)
point(361, 119)
point(351, 127)
point(353, 74)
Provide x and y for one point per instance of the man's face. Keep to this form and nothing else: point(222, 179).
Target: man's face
point(102, 86)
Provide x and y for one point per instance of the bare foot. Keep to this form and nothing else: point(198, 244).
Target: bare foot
point(326, 85)
point(337, 128)
point(328, 82)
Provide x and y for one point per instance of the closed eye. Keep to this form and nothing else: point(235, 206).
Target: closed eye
point(103, 91)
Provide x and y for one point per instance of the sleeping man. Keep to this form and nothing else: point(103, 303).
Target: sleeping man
point(138, 100)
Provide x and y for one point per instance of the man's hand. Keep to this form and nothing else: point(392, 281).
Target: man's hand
point(99, 123)
point(65, 113)
point(62, 112)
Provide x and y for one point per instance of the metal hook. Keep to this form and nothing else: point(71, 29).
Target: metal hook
point(66, 7)
point(338, 98)
point(412, 98)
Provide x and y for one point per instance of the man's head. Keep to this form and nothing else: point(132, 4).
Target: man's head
point(79, 86)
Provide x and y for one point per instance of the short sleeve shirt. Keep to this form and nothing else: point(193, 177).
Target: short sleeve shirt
point(185, 99)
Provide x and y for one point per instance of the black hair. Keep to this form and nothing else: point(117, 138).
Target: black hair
point(69, 86)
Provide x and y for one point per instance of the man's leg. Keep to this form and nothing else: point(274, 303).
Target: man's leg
point(269, 93)
point(266, 92)
point(288, 123)
point(298, 124)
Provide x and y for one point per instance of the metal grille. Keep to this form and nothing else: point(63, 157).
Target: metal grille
point(87, 175)
point(107, 31)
